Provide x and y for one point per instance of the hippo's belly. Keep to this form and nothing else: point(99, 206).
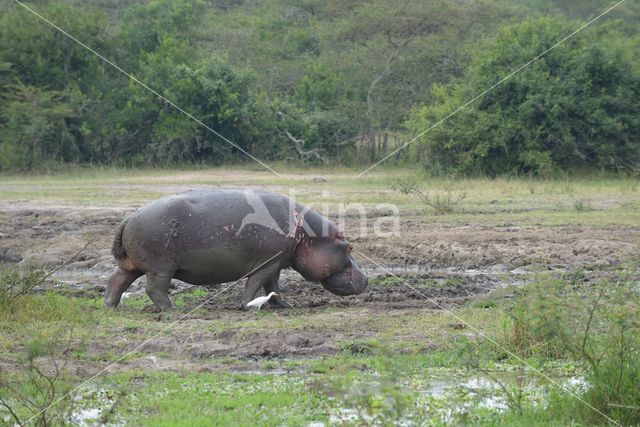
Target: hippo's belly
point(215, 265)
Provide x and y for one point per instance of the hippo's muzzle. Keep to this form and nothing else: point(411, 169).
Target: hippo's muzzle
point(351, 281)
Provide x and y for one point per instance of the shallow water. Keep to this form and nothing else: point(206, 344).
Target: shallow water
point(445, 397)
point(91, 405)
point(80, 279)
point(448, 398)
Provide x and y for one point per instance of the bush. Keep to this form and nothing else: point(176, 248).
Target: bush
point(16, 282)
point(40, 378)
point(572, 109)
point(596, 326)
point(41, 392)
point(442, 202)
point(26, 299)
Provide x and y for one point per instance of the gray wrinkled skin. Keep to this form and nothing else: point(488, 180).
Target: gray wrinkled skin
point(206, 237)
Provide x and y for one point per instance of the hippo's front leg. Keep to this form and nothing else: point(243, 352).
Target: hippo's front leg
point(273, 286)
point(257, 280)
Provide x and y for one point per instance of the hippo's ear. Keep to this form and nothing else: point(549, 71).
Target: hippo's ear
point(340, 235)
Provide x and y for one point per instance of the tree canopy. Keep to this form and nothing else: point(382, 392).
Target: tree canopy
point(313, 81)
point(575, 108)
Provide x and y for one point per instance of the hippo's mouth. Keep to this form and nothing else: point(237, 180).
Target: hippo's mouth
point(351, 281)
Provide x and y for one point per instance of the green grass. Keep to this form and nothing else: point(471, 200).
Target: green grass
point(385, 376)
point(219, 399)
point(383, 370)
point(610, 201)
point(347, 388)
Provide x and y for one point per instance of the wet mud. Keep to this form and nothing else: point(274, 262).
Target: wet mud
point(429, 267)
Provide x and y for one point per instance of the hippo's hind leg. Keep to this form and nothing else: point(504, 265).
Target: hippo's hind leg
point(119, 282)
point(272, 286)
point(158, 289)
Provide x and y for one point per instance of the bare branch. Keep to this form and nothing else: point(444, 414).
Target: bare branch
point(4, 404)
point(305, 155)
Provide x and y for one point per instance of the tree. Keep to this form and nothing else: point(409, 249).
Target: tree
point(35, 130)
point(42, 56)
point(575, 108)
point(146, 25)
point(209, 89)
point(45, 79)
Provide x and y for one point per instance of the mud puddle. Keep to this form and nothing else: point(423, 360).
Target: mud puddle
point(393, 288)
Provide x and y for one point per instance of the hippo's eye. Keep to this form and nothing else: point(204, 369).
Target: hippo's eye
point(346, 246)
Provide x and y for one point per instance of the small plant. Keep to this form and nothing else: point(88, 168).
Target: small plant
point(442, 202)
point(582, 206)
point(383, 399)
point(513, 392)
point(34, 395)
point(16, 282)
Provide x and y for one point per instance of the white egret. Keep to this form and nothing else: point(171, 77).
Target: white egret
point(260, 300)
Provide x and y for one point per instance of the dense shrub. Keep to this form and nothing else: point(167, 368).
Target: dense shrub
point(574, 108)
point(594, 324)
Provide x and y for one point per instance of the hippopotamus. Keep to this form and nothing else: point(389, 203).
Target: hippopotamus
point(212, 236)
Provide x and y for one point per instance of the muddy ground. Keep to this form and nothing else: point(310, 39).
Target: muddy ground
point(441, 267)
point(51, 235)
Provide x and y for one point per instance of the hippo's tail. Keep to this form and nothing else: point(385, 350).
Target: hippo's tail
point(118, 250)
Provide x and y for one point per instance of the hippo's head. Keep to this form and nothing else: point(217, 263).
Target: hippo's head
point(328, 260)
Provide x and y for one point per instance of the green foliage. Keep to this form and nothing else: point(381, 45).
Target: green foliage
point(36, 129)
point(45, 79)
point(145, 26)
point(319, 88)
point(16, 282)
point(42, 393)
point(43, 57)
point(572, 109)
point(317, 82)
point(595, 325)
point(209, 89)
